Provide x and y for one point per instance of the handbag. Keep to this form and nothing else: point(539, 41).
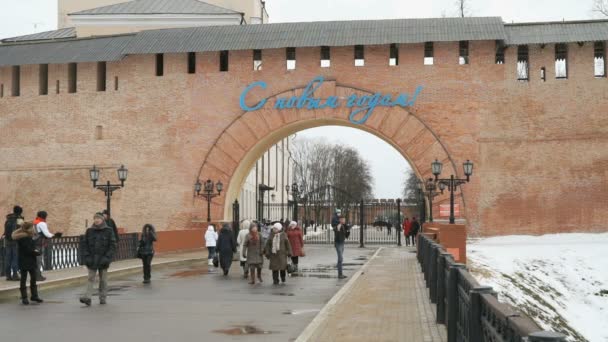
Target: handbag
point(290, 268)
point(216, 261)
point(140, 249)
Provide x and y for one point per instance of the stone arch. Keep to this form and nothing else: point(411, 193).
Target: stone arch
point(237, 148)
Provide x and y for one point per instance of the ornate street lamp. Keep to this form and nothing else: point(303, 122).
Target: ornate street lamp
point(451, 183)
point(108, 188)
point(431, 193)
point(208, 193)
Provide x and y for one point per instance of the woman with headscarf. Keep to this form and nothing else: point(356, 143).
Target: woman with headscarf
point(296, 240)
point(210, 243)
point(28, 252)
point(278, 250)
point(146, 243)
point(240, 240)
point(226, 246)
point(252, 251)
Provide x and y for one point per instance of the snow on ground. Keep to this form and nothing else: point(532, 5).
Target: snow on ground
point(559, 280)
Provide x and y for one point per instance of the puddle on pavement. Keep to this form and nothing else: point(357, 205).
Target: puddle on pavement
point(190, 273)
point(284, 294)
point(243, 330)
point(54, 302)
point(300, 312)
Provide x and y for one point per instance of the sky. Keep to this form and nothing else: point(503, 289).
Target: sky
point(19, 17)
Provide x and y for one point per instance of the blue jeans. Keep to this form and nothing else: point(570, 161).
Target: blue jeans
point(340, 252)
point(10, 259)
point(211, 253)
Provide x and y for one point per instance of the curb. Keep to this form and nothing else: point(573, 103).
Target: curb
point(311, 329)
point(13, 292)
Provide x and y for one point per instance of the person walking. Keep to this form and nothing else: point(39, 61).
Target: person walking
point(407, 226)
point(240, 240)
point(226, 246)
point(41, 237)
point(210, 243)
point(341, 233)
point(111, 223)
point(414, 230)
point(11, 257)
point(252, 251)
point(27, 261)
point(148, 237)
point(277, 250)
point(98, 248)
point(296, 240)
point(265, 231)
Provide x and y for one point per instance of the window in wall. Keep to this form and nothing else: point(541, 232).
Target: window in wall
point(599, 59)
point(57, 88)
point(99, 132)
point(1, 90)
point(393, 58)
point(522, 63)
point(43, 79)
point(101, 76)
point(543, 74)
point(464, 52)
point(257, 60)
point(561, 61)
point(359, 55)
point(428, 53)
point(16, 78)
point(72, 77)
point(160, 64)
point(291, 58)
point(116, 83)
point(191, 62)
point(325, 57)
point(500, 52)
point(224, 60)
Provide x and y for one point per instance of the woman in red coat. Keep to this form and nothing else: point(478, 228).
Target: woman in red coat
point(296, 239)
point(407, 228)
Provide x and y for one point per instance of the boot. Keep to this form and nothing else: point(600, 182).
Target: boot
point(260, 275)
point(24, 300)
point(35, 297)
point(252, 282)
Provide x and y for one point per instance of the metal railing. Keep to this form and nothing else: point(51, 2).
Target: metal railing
point(65, 252)
point(471, 312)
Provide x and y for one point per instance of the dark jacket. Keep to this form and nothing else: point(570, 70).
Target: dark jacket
point(147, 243)
point(341, 235)
point(335, 220)
point(225, 242)
point(10, 225)
point(110, 223)
point(98, 247)
point(27, 250)
point(415, 228)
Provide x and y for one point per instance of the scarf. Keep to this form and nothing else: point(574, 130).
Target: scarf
point(38, 220)
point(276, 243)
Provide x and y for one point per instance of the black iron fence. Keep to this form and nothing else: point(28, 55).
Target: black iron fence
point(65, 252)
point(471, 312)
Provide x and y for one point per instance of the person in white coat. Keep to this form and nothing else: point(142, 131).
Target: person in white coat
point(210, 243)
point(240, 240)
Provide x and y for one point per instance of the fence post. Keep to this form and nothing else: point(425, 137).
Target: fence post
point(475, 329)
point(546, 336)
point(361, 225)
point(452, 292)
point(398, 228)
point(435, 248)
point(48, 254)
point(441, 289)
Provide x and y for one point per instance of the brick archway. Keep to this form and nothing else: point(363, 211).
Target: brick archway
point(250, 134)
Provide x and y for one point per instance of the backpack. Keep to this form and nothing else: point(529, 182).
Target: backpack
point(9, 227)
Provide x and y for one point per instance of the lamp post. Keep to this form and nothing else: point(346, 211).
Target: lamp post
point(295, 193)
point(431, 193)
point(261, 189)
point(108, 188)
point(208, 193)
point(451, 183)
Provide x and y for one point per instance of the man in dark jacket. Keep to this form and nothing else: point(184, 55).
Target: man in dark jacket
point(226, 247)
point(341, 233)
point(415, 230)
point(11, 263)
point(98, 247)
point(110, 222)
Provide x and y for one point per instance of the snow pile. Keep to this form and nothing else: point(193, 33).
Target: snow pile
point(560, 280)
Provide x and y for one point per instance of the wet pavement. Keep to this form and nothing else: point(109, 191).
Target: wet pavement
point(188, 303)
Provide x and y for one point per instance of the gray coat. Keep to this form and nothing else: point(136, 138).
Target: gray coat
point(278, 261)
point(253, 250)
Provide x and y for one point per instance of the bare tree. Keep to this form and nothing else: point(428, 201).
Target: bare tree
point(601, 7)
point(410, 188)
point(463, 8)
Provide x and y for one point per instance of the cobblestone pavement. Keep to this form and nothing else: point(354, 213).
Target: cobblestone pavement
point(388, 302)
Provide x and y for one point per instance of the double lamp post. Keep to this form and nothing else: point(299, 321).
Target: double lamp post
point(108, 188)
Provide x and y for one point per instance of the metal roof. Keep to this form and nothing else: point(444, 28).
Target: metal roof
point(557, 32)
point(64, 33)
point(158, 7)
point(67, 51)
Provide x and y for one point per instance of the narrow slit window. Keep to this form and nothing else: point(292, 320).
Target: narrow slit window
point(500, 52)
point(359, 55)
point(57, 88)
point(543, 74)
point(160, 64)
point(101, 76)
point(291, 58)
point(464, 52)
point(72, 77)
point(1, 90)
point(325, 57)
point(428, 53)
point(393, 59)
point(257, 60)
point(99, 132)
point(522, 63)
point(599, 59)
point(16, 78)
point(224, 60)
point(43, 79)
point(561, 61)
point(192, 62)
point(116, 83)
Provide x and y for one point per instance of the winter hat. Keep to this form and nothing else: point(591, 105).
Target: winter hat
point(277, 226)
point(98, 215)
point(17, 210)
point(292, 224)
point(246, 224)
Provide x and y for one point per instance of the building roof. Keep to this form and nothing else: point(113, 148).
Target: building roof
point(158, 7)
point(557, 32)
point(64, 33)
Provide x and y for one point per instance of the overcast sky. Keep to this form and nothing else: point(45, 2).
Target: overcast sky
point(19, 17)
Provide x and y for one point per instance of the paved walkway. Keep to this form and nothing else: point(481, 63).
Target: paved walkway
point(387, 301)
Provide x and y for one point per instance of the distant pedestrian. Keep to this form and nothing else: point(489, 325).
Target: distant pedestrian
point(110, 222)
point(277, 250)
point(11, 257)
point(407, 227)
point(253, 251)
point(341, 233)
point(210, 243)
point(41, 238)
point(335, 219)
point(414, 230)
point(27, 261)
point(98, 248)
point(265, 231)
point(226, 247)
point(240, 240)
point(146, 243)
point(296, 240)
